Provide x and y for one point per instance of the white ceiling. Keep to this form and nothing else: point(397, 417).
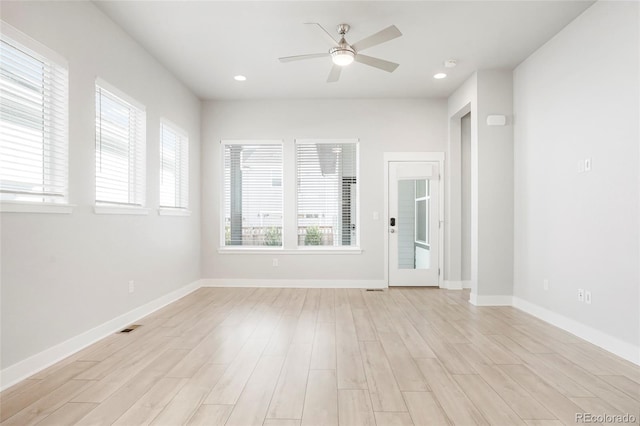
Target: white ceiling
point(206, 43)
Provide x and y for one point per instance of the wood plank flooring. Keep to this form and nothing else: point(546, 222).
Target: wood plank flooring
point(349, 357)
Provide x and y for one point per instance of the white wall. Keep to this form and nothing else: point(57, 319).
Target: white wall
point(64, 274)
point(381, 125)
point(576, 98)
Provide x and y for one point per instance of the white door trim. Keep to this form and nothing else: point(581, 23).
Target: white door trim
point(438, 157)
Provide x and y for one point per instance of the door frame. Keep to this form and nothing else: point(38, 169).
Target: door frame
point(435, 157)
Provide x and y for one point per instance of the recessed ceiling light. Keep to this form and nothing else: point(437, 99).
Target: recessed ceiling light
point(440, 75)
point(239, 78)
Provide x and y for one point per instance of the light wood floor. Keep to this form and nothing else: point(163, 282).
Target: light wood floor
point(321, 356)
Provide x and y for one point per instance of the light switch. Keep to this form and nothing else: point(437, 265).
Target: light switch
point(376, 216)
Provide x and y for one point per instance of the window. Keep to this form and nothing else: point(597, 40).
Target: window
point(174, 167)
point(120, 149)
point(421, 212)
point(327, 193)
point(33, 122)
point(252, 198)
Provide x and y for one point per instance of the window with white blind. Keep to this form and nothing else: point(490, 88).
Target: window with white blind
point(253, 195)
point(33, 121)
point(174, 167)
point(327, 189)
point(120, 149)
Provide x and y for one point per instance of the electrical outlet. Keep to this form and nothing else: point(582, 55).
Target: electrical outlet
point(545, 284)
point(580, 295)
point(587, 297)
point(132, 286)
point(587, 165)
point(275, 261)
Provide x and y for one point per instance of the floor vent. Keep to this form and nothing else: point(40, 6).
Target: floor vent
point(375, 289)
point(130, 328)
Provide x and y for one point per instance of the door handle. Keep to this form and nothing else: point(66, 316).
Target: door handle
point(392, 221)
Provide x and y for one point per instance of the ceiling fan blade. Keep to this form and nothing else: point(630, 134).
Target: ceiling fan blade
point(376, 62)
point(380, 37)
point(301, 57)
point(332, 41)
point(334, 74)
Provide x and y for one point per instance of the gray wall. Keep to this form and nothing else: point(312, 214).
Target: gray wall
point(465, 205)
point(487, 92)
point(63, 274)
point(577, 98)
point(381, 125)
point(495, 184)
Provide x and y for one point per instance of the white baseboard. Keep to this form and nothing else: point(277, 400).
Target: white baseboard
point(452, 285)
point(456, 285)
point(38, 362)
point(497, 300)
point(605, 341)
point(289, 283)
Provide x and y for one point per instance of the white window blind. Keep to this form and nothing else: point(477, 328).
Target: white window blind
point(33, 126)
point(174, 167)
point(327, 182)
point(252, 194)
point(120, 150)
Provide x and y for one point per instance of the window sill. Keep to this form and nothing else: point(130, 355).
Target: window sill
point(120, 210)
point(168, 211)
point(24, 207)
point(272, 251)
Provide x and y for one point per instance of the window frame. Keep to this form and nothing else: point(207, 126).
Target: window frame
point(29, 46)
point(221, 225)
point(106, 207)
point(290, 209)
point(183, 138)
point(332, 249)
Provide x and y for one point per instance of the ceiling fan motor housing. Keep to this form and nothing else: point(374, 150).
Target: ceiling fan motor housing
point(343, 29)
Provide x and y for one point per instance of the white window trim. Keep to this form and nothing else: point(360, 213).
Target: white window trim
point(173, 211)
point(165, 210)
point(295, 199)
point(278, 250)
point(289, 223)
point(34, 45)
point(10, 33)
point(223, 143)
point(119, 93)
point(104, 207)
point(123, 210)
point(35, 207)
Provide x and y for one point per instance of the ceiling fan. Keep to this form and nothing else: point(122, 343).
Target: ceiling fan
point(343, 53)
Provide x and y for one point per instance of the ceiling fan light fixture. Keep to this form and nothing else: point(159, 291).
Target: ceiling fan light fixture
point(342, 57)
